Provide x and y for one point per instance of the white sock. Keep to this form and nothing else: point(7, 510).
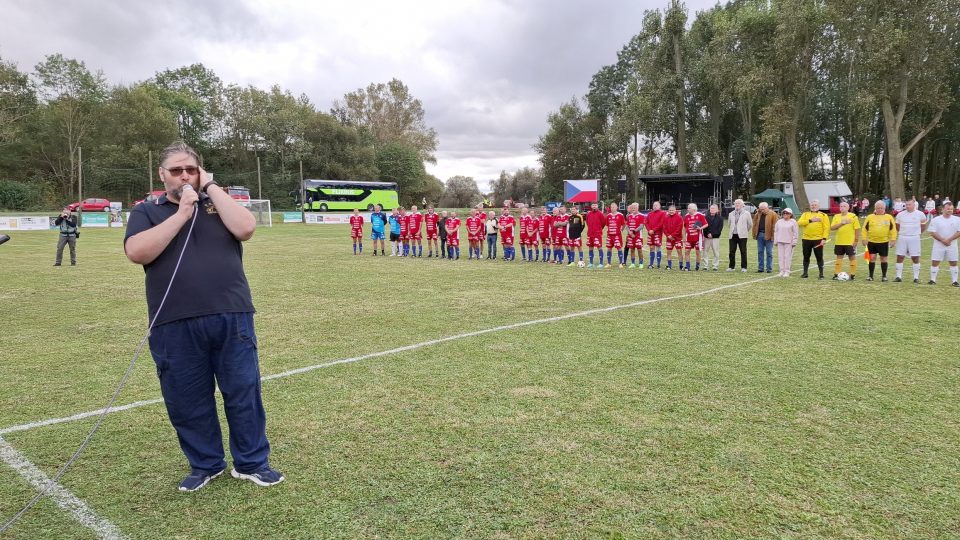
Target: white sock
point(916, 271)
point(933, 273)
point(954, 270)
point(899, 270)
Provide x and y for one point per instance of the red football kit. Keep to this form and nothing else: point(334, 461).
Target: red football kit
point(596, 221)
point(432, 220)
point(634, 239)
point(692, 223)
point(404, 226)
point(527, 232)
point(453, 237)
point(474, 229)
point(559, 225)
point(545, 229)
point(673, 231)
point(356, 226)
point(507, 224)
point(413, 224)
point(534, 231)
point(615, 224)
point(654, 224)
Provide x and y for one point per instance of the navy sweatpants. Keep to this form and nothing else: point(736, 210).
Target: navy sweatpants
point(195, 355)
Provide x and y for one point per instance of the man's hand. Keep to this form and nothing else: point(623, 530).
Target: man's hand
point(204, 179)
point(187, 197)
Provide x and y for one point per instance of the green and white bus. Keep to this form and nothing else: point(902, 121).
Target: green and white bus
point(323, 195)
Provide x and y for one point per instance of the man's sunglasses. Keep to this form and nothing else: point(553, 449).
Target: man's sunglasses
point(177, 171)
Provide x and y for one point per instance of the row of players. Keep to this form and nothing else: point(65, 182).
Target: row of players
point(553, 237)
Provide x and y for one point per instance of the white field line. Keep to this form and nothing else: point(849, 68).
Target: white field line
point(60, 495)
point(414, 346)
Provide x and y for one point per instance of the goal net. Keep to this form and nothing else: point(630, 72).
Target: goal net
point(260, 208)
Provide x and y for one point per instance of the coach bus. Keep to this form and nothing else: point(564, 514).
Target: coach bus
point(323, 195)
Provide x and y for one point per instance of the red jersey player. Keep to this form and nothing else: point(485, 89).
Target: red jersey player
point(615, 223)
point(559, 224)
point(453, 236)
point(596, 221)
point(635, 222)
point(432, 220)
point(527, 233)
point(507, 224)
point(545, 230)
point(474, 233)
point(414, 221)
point(482, 214)
point(693, 223)
point(356, 230)
point(673, 233)
point(404, 232)
point(534, 234)
point(654, 224)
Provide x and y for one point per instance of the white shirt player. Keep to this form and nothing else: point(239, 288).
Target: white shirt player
point(945, 228)
point(911, 223)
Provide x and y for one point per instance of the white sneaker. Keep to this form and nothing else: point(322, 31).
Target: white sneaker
point(744, 270)
point(729, 269)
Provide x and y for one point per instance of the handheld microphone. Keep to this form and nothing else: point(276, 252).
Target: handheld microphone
point(196, 203)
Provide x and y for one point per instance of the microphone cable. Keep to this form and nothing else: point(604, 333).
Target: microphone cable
point(116, 393)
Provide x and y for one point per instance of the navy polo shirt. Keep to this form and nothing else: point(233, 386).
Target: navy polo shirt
point(210, 279)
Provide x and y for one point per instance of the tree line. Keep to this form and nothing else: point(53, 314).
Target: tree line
point(774, 90)
point(63, 122)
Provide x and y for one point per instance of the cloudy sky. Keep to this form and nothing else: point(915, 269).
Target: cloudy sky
point(488, 71)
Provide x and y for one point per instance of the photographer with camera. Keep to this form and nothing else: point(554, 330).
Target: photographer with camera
point(68, 236)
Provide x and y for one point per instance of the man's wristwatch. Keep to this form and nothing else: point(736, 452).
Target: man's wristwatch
point(207, 186)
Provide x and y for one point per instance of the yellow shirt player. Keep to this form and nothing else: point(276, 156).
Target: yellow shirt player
point(816, 230)
point(881, 233)
point(847, 227)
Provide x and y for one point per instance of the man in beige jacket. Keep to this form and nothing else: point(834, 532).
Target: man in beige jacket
point(741, 224)
point(763, 233)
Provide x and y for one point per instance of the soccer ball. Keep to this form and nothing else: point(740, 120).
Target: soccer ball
point(580, 264)
point(843, 276)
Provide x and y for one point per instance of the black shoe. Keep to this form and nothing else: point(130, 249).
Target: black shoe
point(883, 279)
point(931, 282)
point(821, 277)
point(955, 284)
point(897, 280)
point(852, 277)
point(804, 275)
point(917, 281)
point(56, 264)
point(760, 271)
point(835, 278)
point(73, 264)
point(870, 278)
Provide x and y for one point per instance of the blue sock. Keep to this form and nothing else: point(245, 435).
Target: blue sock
point(659, 256)
point(419, 250)
point(457, 250)
point(523, 251)
point(621, 257)
point(633, 258)
point(609, 256)
point(449, 252)
point(653, 255)
point(669, 263)
point(591, 256)
point(354, 249)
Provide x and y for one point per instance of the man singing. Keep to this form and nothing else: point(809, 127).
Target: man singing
point(203, 337)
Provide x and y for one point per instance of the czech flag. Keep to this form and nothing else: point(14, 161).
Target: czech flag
point(575, 191)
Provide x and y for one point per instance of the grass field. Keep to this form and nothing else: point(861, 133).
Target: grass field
point(781, 408)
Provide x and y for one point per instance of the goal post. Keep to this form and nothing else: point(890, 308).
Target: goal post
point(260, 208)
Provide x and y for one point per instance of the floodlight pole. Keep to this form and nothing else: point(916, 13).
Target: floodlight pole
point(259, 185)
point(150, 168)
point(303, 215)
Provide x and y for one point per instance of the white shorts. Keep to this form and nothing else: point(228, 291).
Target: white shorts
point(943, 253)
point(908, 246)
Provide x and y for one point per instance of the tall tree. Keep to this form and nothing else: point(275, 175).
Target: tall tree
point(461, 192)
point(400, 163)
point(194, 94)
point(17, 101)
point(391, 114)
point(904, 50)
point(72, 96)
